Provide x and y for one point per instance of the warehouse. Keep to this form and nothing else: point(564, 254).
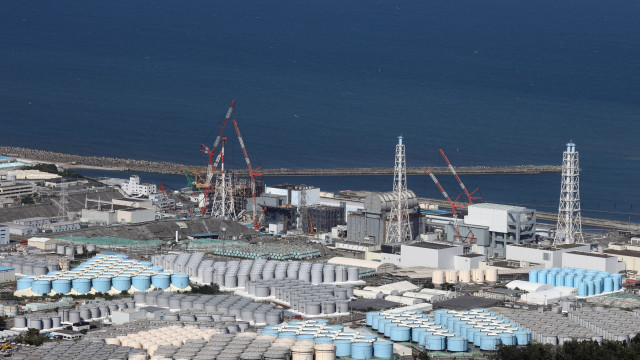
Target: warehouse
point(548, 256)
point(428, 254)
point(43, 243)
point(631, 258)
point(7, 274)
point(380, 268)
point(591, 261)
point(61, 226)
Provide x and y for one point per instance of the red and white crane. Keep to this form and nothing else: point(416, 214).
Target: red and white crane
point(470, 196)
point(452, 203)
point(252, 173)
point(211, 168)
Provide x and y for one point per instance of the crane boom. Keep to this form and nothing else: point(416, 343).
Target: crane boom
point(452, 203)
point(211, 152)
point(252, 174)
point(470, 196)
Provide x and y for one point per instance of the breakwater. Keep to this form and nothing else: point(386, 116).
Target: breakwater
point(162, 167)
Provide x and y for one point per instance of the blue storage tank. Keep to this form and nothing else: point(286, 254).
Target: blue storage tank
point(450, 321)
point(533, 275)
point(318, 321)
point(608, 284)
point(463, 330)
point(335, 327)
point(383, 349)
point(81, 285)
point(437, 315)
point(324, 340)
point(180, 281)
point(400, 333)
point(568, 280)
point(141, 282)
point(101, 284)
point(457, 343)
point(61, 286)
point(161, 281)
point(617, 281)
point(423, 338)
point(542, 276)
point(582, 289)
point(523, 337)
point(590, 288)
point(370, 317)
point(25, 282)
point(287, 335)
point(121, 283)
point(266, 331)
point(361, 350)
point(471, 334)
point(551, 279)
point(435, 342)
point(382, 324)
point(560, 279)
point(41, 287)
point(343, 347)
point(146, 263)
point(388, 328)
point(415, 334)
point(508, 339)
point(374, 321)
point(368, 336)
point(157, 268)
point(489, 343)
point(305, 337)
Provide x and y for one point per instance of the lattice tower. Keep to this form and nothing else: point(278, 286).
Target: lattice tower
point(569, 226)
point(398, 228)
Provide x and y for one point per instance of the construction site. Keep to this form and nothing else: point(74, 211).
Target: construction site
point(232, 267)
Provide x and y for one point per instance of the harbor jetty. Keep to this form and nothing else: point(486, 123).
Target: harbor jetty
point(161, 167)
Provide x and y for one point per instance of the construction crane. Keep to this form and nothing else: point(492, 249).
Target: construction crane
point(261, 218)
point(470, 196)
point(211, 151)
point(252, 174)
point(312, 231)
point(452, 203)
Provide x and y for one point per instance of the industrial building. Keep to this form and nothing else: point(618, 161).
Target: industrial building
point(323, 218)
point(21, 230)
point(546, 255)
point(61, 226)
point(507, 225)
point(7, 274)
point(42, 243)
point(4, 235)
point(591, 261)
point(631, 258)
point(379, 267)
point(133, 187)
point(293, 194)
point(427, 254)
point(11, 190)
point(369, 225)
point(36, 222)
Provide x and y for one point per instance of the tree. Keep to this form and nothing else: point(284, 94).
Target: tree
point(3, 323)
point(27, 199)
point(428, 285)
point(32, 337)
point(423, 355)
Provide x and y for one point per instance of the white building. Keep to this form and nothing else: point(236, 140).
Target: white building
point(4, 235)
point(21, 230)
point(7, 274)
point(62, 226)
point(293, 193)
point(380, 268)
point(427, 254)
point(33, 222)
point(550, 296)
point(133, 187)
point(467, 261)
point(43, 243)
point(590, 261)
point(135, 215)
point(507, 225)
point(11, 190)
point(549, 257)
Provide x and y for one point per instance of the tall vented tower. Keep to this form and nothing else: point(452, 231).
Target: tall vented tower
point(398, 228)
point(569, 228)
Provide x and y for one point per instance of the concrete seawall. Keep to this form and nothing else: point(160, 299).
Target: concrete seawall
point(116, 164)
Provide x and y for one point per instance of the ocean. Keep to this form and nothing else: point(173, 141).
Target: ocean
point(324, 84)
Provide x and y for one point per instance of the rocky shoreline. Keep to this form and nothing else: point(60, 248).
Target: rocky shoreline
point(97, 162)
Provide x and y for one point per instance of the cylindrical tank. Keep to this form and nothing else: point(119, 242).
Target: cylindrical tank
point(35, 324)
point(508, 339)
point(400, 333)
point(438, 277)
point(81, 285)
point(141, 282)
point(121, 283)
point(523, 337)
point(60, 249)
point(325, 351)
point(457, 344)
point(180, 281)
point(39, 270)
point(560, 279)
point(56, 322)
point(361, 350)
point(551, 278)
point(383, 349)
point(582, 289)
point(85, 313)
point(491, 275)
point(490, 342)
point(61, 286)
point(435, 342)
point(608, 284)
point(533, 275)
point(343, 347)
point(25, 282)
point(101, 284)
point(464, 276)
point(74, 316)
point(353, 274)
point(161, 281)
point(451, 276)
point(329, 274)
point(20, 322)
point(41, 287)
point(478, 275)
